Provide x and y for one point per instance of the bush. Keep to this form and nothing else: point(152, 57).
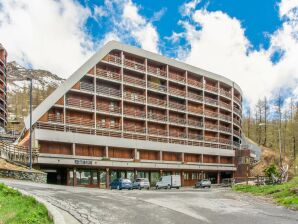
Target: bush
point(271, 170)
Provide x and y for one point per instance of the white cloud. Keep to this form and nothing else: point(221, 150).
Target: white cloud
point(46, 34)
point(217, 42)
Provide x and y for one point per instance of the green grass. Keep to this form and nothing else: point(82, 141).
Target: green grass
point(18, 209)
point(284, 194)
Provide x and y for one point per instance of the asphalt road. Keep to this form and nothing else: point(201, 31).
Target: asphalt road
point(187, 206)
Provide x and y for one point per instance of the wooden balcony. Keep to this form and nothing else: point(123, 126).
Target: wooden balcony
point(177, 120)
point(79, 121)
point(112, 59)
point(237, 133)
point(176, 106)
point(211, 101)
point(134, 81)
point(158, 87)
point(225, 117)
point(108, 108)
point(157, 102)
point(225, 141)
point(134, 65)
point(225, 105)
point(82, 104)
point(211, 126)
point(211, 88)
point(107, 91)
point(176, 92)
point(177, 134)
point(134, 113)
point(237, 111)
point(87, 87)
point(211, 114)
point(237, 100)
point(237, 122)
point(108, 75)
point(225, 93)
point(195, 97)
point(195, 110)
point(134, 129)
point(195, 136)
point(156, 71)
point(211, 139)
point(108, 126)
point(134, 97)
point(177, 78)
point(158, 132)
point(157, 117)
point(225, 129)
point(195, 123)
point(53, 118)
point(195, 83)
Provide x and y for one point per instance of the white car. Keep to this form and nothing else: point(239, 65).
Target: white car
point(171, 181)
point(140, 183)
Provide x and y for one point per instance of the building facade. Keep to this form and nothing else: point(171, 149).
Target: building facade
point(3, 87)
point(128, 112)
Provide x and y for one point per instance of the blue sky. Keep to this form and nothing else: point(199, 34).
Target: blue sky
point(252, 42)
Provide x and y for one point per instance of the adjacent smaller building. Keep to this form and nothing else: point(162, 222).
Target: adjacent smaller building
point(3, 88)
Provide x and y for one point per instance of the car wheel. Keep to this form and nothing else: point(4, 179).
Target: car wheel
point(140, 188)
point(156, 187)
point(118, 187)
point(148, 188)
point(169, 187)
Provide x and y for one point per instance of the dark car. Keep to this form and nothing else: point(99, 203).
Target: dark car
point(121, 184)
point(203, 183)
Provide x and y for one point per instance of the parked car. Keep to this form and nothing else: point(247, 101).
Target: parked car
point(203, 183)
point(140, 183)
point(171, 181)
point(121, 184)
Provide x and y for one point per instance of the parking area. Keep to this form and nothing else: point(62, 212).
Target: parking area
point(186, 205)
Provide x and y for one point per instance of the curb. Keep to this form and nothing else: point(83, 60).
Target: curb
point(52, 211)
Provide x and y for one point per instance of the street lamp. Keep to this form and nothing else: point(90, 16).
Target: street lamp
point(30, 123)
point(279, 140)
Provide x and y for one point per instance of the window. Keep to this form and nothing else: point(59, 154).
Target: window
point(103, 122)
point(112, 122)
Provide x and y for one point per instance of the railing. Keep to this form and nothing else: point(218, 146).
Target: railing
point(225, 105)
point(2, 78)
point(134, 81)
point(134, 113)
point(237, 111)
point(195, 123)
point(158, 102)
point(195, 83)
point(103, 90)
point(2, 69)
point(133, 128)
point(195, 110)
point(155, 86)
point(156, 71)
point(178, 92)
point(134, 97)
point(84, 104)
point(225, 93)
point(108, 74)
point(79, 121)
point(225, 129)
point(134, 65)
point(210, 114)
point(108, 108)
point(55, 118)
point(237, 100)
point(211, 126)
point(158, 132)
point(225, 141)
point(211, 101)
point(176, 77)
point(195, 97)
point(177, 120)
point(17, 153)
point(225, 117)
point(211, 139)
point(109, 126)
point(236, 133)
point(88, 87)
point(177, 106)
point(195, 136)
point(237, 122)
point(211, 88)
point(157, 117)
point(112, 59)
point(177, 134)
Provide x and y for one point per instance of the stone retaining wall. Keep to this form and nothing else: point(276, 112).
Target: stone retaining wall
point(34, 176)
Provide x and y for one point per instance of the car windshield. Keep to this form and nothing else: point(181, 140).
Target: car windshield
point(126, 181)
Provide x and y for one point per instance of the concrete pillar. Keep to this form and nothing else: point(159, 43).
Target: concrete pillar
point(182, 157)
point(107, 178)
point(218, 177)
point(74, 149)
point(202, 158)
point(136, 154)
point(106, 151)
point(182, 178)
point(160, 155)
point(218, 159)
point(74, 176)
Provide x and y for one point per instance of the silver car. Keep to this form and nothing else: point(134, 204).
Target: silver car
point(203, 183)
point(140, 183)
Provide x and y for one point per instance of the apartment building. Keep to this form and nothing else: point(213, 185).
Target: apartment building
point(131, 113)
point(3, 97)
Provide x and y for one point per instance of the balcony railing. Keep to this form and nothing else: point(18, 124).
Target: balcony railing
point(88, 87)
point(211, 88)
point(225, 141)
point(112, 59)
point(134, 65)
point(225, 105)
point(108, 74)
point(225, 129)
point(177, 120)
point(156, 71)
point(55, 118)
point(237, 122)
point(177, 134)
point(211, 114)
point(107, 91)
point(177, 92)
point(108, 108)
point(237, 111)
point(157, 117)
point(176, 77)
point(195, 97)
point(134, 113)
point(225, 117)
point(177, 106)
point(195, 123)
point(195, 110)
point(225, 93)
point(83, 104)
point(194, 136)
point(134, 97)
point(109, 126)
point(237, 100)
point(133, 128)
point(79, 121)
point(157, 102)
point(134, 81)
point(211, 139)
point(211, 126)
point(195, 83)
point(211, 101)
point(158, 87)
point(236, 133)
point(158, 132)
